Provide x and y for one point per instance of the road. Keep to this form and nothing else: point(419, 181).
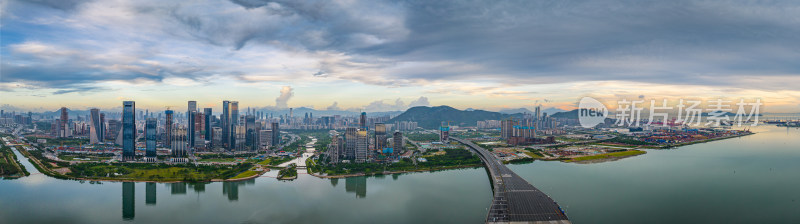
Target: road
point(515, 200)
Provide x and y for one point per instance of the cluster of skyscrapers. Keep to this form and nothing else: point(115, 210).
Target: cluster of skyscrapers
point(525, 130)
point(360, 144)
point(199, 131)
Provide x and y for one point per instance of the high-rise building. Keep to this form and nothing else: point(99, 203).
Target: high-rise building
point(216, 136)
point(398, 144)
point(62, 126)
point(251, 136)
point(190, 127)
point(265, 138)
point(199, 125)
point(102, 126)
point(537, 119)
point(128, 130)
point(150, 133)
point(276, 134)
point(333, 149)
point(350, 142)
point(361, 146)
point(234, 106)
point(380, 136)
point(444, 132)
point(507, 128)
point(207, 113)
point(179, 142)
point(95, 130)
point(225, 119)
point(168, 128)
point(362, 121)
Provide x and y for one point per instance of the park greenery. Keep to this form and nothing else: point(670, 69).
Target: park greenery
point(10, 165)
point(452, 158)
point(221, 155)
point(274, 161)
point(612, 155)
point(289, 172)
point(156, 172)
point(60, 141)
point(627, 141)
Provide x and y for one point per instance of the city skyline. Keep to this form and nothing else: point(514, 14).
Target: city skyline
point(385, 56)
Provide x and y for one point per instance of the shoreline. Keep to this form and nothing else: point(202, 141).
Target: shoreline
point(600, 160)
point(394, 172)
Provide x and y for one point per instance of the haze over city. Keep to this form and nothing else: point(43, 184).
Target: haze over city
point(389, 55)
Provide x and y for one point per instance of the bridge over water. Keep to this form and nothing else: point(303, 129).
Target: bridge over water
point(515, 200)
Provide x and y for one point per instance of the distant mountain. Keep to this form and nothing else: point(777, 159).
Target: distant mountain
point(551, 110)
point(515, 111)
point(431, 117)
point(572, 114)
point(301, 111)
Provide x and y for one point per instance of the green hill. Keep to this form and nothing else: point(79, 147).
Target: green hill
point(431, 117)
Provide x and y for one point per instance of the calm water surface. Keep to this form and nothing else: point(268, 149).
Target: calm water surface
point(752, 179)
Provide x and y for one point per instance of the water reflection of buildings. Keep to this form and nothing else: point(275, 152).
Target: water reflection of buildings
point(198, 187)
point(178, 188)
point(150, 193)
point(231, 189)
point(357, 185)
point(128, 204)
point(334, 181)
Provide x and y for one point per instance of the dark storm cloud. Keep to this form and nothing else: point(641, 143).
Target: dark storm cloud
point(510, 42)
point(671, 42)
point(59, 4)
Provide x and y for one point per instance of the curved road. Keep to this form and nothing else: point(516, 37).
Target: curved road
point(515, 200)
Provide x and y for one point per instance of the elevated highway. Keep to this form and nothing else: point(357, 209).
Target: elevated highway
point(515, 200)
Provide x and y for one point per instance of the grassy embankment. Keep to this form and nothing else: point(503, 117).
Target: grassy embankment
point(157, 172)
point(613, 155)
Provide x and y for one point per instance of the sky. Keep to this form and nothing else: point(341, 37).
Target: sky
point(377, 55)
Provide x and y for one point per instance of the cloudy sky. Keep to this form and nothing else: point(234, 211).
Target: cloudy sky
point(386, 55)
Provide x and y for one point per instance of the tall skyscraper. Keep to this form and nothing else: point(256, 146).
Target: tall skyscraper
point(398, 145)
point(102, 126)
point(362, 122)
point(199, 126)
point(62, 126)
point(179, 143)
point(276, 134)
point(506, 128)
point(265, 138)
point(361, 146)
point(225, 119)
point(94, 127)
point(333, 149)
point(150, 138)
point(128, 130)
point(380, 136)
point(350, 142)
point(234, 106)
point(208, 132)
point(190, 114)
point(251, 136)
point(168, 128)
